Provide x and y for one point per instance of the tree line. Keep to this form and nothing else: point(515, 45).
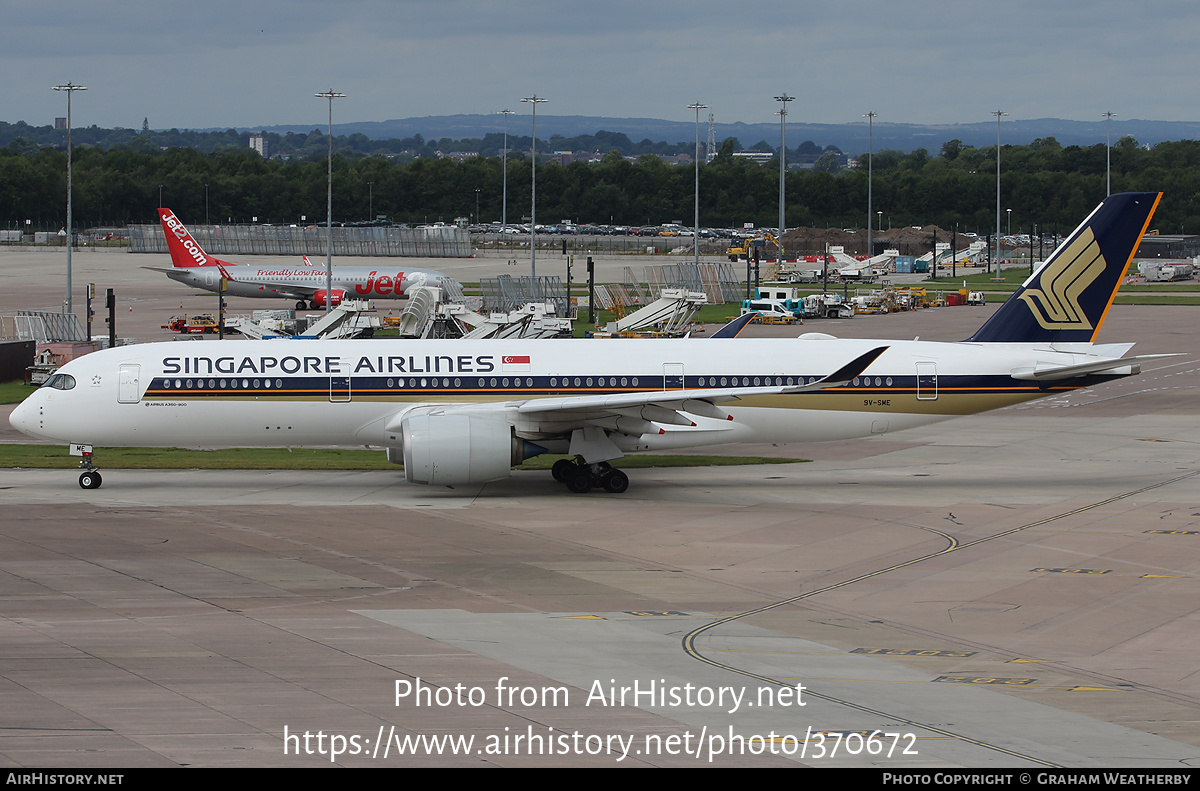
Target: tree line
point(1042, 182)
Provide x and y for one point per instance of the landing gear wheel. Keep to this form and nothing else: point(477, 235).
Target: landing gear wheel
point(616, 482)
point(90, 479)
point(301, 305)
point(580, 481)
point(562, 469)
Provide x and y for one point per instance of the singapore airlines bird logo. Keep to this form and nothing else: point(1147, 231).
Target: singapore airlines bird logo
point(1056, 304)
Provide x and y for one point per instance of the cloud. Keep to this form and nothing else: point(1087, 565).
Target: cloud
point(224, 63)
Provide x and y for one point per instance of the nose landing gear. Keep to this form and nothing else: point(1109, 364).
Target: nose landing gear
point(90, 477)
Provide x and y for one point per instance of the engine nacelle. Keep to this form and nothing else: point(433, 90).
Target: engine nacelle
point(335, 300)
point(445, 450)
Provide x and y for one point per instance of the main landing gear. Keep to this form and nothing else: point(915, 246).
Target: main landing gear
point(90, 477)
point(581, 477)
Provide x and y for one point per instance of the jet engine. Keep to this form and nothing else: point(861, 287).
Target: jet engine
point(319, 297)
point(445, 450)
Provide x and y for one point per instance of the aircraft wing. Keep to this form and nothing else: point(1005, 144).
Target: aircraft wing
point(664, 406)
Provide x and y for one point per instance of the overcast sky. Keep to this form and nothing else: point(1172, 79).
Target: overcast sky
point(219, 63)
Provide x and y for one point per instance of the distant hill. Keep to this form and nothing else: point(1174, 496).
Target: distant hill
point(425, 135)
point(850, 138)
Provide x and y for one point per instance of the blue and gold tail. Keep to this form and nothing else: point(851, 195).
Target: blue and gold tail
point(1067, 299)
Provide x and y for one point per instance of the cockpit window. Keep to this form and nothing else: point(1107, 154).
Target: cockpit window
point(60, 382)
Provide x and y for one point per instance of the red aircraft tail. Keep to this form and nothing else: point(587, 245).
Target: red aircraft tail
point(185, 251)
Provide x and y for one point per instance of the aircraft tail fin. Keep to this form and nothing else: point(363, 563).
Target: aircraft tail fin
point(735, 327)
point(185, 251)
point(1067, 299)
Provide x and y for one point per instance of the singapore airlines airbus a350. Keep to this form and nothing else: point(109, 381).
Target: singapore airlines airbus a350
point(464, 412)
point(192, 266)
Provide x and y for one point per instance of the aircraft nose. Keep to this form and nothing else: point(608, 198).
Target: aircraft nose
point(21, 418)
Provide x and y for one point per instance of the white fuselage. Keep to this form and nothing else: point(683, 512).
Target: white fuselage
point(301, 282)
point(355, 392)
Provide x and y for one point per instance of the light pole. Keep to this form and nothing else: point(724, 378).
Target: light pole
point(1009, 231)
point(870, 167)
point(504, 176)
point(783, 99)
point(371, 201)
point(1108, 151)
point(696, 227)
point(330, 95)
point(999, 114)
point(535, 100)
point(880, 214)
point(69, 88)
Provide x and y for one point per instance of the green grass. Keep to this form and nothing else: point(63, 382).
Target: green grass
point(1012, 277)
point(1157, 299)
point(14, 392)
point(1162, 287)
point(57, 457)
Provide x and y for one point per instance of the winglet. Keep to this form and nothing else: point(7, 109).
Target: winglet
point(735, 327)
point(1067, 299)
point(852, 369)
point(847, 373)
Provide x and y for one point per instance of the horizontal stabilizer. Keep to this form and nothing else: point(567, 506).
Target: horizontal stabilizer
point(1121, 366)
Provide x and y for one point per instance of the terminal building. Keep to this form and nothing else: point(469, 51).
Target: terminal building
point(1169, 245)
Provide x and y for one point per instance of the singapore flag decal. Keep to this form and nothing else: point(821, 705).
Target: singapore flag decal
point(515, 363)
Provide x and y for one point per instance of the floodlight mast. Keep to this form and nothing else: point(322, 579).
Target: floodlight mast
point(69, 88)
point(504, 169)
point(330, 95)
point(784, 98)
point(697, 106)
point(999, 114)
point(870, 116)
point(535, 100)
point(1108, 152)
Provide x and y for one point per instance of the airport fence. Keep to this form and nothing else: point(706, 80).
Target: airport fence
point(507, 293)
point(42, 326)
point(435, 242)
point(718, 281)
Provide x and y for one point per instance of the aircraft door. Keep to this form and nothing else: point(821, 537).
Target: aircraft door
point(672, 376)
point(210, 277)
point(927, 384)
point(339, 380)
point(129, 386)
point(339, 387)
